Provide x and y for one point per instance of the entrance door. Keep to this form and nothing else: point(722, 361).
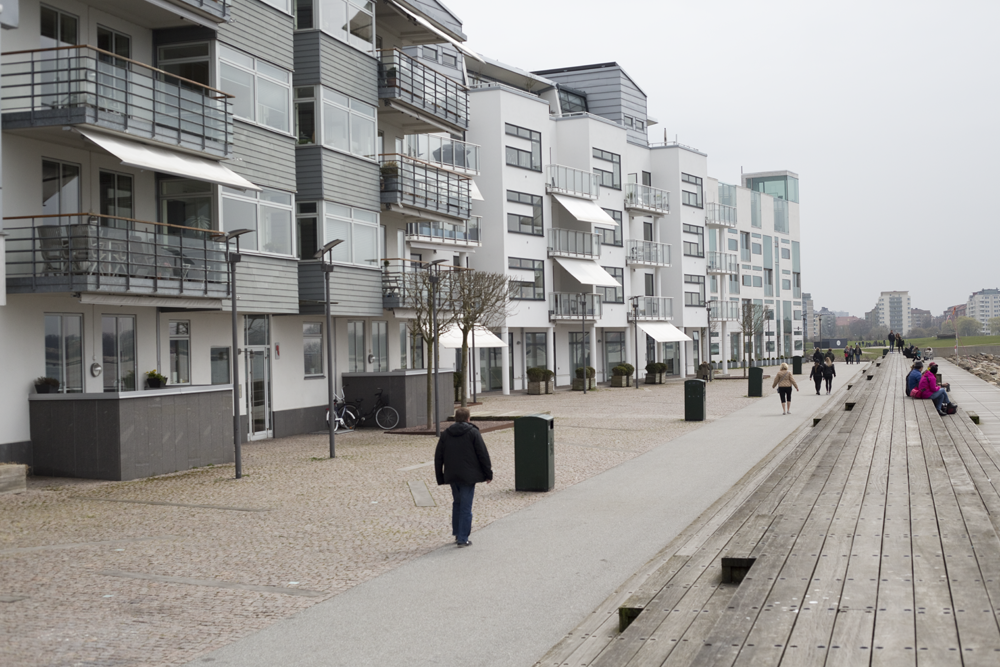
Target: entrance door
point(118, 346)
point(259, 392)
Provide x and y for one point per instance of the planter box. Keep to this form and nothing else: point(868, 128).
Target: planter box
point(655, 378)
point(536, 388)
point(550, 386)
point(621, 380)
point(578, 384)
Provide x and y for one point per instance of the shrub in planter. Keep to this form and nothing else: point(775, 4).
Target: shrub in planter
point(536, 380)
point(44, 385)
point(154, 380)
point(591, 372)
point(621, 375)
point(548, 379)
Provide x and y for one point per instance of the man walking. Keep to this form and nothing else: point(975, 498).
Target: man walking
point(461, 460)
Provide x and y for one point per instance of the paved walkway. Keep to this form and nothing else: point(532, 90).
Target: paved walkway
point(976, 395)
point(533, 575)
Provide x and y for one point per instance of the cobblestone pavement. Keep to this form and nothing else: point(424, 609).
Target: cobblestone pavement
point(192, 561)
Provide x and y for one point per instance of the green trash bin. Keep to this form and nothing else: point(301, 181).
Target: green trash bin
point(797, 365)
point(694, 401)
point(534, 453)
point(755, 387)
point(885, 351)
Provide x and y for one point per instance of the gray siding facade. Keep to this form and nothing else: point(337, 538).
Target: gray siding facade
point(610, 92)
point(264, 157)
point(266, 285)
point(354, 291)
point(324, 174)
point(321, 59)
point(261, 30)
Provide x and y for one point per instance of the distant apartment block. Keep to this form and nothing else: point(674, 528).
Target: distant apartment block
point(893, 312)
point(983, 305)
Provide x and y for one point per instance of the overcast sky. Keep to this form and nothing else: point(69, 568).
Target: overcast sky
point(888, 111)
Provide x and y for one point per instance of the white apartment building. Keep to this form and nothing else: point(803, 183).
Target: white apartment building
point(893, 312)
point(983, 305)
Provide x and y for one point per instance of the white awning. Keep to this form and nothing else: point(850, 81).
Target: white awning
point(588, 272)
point(663, 332)
point(480, 337)
point(585, 210)
point(152, 158)
point(474, 191)
point(430, 26)
point(150, 301)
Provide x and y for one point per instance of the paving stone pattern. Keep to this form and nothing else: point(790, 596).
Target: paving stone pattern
point(328, 525)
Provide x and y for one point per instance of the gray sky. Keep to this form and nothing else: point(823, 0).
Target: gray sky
point(888, 111)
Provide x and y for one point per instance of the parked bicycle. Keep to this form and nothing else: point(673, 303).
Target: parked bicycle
point(385, 416)
point(346, 415)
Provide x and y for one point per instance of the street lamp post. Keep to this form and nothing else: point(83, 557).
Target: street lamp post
point(635, 336)
point(583, 340)
point(233, 258)
point(708, 314)
point(331, 400)
point(435, 277)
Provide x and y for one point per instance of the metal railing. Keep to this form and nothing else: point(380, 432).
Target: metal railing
point(573, 243)
point(406, 283)
point(570, 181)
point(647, 198)
point(724, 310)
point(452, 233)
point(574, 306)
point(84, 84)
point(217, 8)
point(652, 308)
point(720, 215)
point(722, 262)
point(449, 153)
point(412, 182)
point(648, 252)
point(406, 79)
point(90, 251)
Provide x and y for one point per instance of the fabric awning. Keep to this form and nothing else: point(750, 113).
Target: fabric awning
point(430, 26)
point(585, 210)
point(480, 336)
point(663, 332)
point(474, 191)
point(588, 272)
point(153, 158)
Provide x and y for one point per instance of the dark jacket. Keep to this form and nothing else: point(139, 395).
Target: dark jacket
point(816, 373)
point(461, 456)
point(912, 380)
point(829, 372)
point(818, 356)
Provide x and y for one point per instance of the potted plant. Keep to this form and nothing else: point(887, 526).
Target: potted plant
point(549, 379)
point(578, 382)
point(44, 385)
point(154, 380)
point(389, 176)
point(536, 380)
point(621, 375)
point(654, 372)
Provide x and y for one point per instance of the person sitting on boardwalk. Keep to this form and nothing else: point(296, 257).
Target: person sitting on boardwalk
point(462, 461)
point(928, 388)
point(784, 381)
point(929, 353)
point(829, 372)
point(913, 377)
point(816, 375)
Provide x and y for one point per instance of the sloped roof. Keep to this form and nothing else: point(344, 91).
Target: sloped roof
point(596, 66)
point(439, 14)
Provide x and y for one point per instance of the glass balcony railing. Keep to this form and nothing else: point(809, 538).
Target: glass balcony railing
point(648, 252)
point(722, 262)
point(647, 198)
point(652, 308)
point(720, 215)
point(84, 251)
point(74, 85)
point(570, 181)
point(449, 153)
point(410, 182)
point(574, 306)
point(425, 90)
point(448, 233)
point(724, 311)
point(572, 243)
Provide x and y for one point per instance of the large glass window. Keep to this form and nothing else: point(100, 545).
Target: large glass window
point(358, 228)
point(58, 28)
point(694, 248)
point(579, 351)
point(612, 237)
point(614, 348)
point(116, 193)
point(190, 61)
point(529, 290)
point(380, 346)
point(263, 92)
point(613, 178)
point(694, 290)
point(780, 187)
point(572, 102)
point(118, 345)
point(268, 213)
point(416, 351)
point(535, 349)
point(525, 224)
point(60, 188)
point(351, 21)
point(186, 202)
point(219, 363)
point(518, 157)
point(613, 294)
point(64, 351)
point(339, 122)
point(312, 348)
point(180, 352)
point(692, 196)
point(356, 346)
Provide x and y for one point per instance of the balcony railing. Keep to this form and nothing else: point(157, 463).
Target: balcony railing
point(217, 9)
point(720, 215)
point(574, 306)
point(724, 311)
point(648, 252)
point(652, 308)
point(85, 85)
point(449, 153)
point(425, 90)
point(406, 283)
point(570, 181)
point(89, 252)
point(722, 262)
point(572, 243)
point(448, 233)
point(410, 182)
point(647, 198)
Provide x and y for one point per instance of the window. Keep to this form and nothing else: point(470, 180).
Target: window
point(697, 297)
point(257, 330)
point(380, 346)
point(797, 284)
point(58, 28)
point(416, 351)
point(579, 350)
point(312, 348)
point(614, 348)
point(340, 122)
point(640, 125)
point(268, 213)
point(756, 248)
point(613, 294)
point(517, 157)
point(613, 178)
point(747, 280)
point(733, 245)
point(180, 352)
point(691, 198)
point(64, 351)
point(525, 224)
point(449, 59)
point(572, 102)
point(430, 53)
point(118, 347)
point(781, 216)
point(263, 92)
point(116, 194)
point(308, 230)
point(757, 281)
point(786, 253)
point(734, 283)
point(356, 346)
point(649, 283)
point(786, 284)
point(358, 228)
point(190, 61)
point(529, 290)
point(647, 178)
point(768, 282)
point(535, 349)
point(350, 21)
point(629, 121)
point(744, 246)
point(60, 188)
point(187, 203)
point(694, 248)
point(283, 5)
point(219, 362)
point(612, 236)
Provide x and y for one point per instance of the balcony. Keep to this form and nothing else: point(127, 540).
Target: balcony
point(84, 85)
point(84, 252)
point(574, 306)
point(652, 308)
point(728, 311)
point(574, 182)
point(571, 243)
point(438, 101)
point(646, 198)
point(719, 215)
point(410, 182)
point(446, 152)
point(648, 253)
point(722, 262)
point(407, 284)
point(461, 234)
point(217, 10)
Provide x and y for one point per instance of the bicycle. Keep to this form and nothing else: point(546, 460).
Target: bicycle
point(346, 415)
point(386, 417)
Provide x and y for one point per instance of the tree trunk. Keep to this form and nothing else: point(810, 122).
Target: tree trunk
point(465, 370)
point(430, 383)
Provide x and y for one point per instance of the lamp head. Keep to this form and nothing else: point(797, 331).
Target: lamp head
point(227, 236)
point(327, 248)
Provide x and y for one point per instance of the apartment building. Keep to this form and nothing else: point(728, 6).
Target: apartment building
point(983, 305)
point(893, 311)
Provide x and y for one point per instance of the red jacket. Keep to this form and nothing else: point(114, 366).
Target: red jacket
point(928, 385)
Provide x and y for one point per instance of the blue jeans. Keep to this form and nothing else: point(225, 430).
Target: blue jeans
point(940, 397)
point(461, 511)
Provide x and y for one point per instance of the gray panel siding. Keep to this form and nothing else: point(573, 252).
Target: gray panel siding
point(264, 157)
point(350, 181)
point(307, 58)
point(267, 284)
point(260, 30)
point(309, 173)
point(356, 291)
point(437, 11)
point(320, 58)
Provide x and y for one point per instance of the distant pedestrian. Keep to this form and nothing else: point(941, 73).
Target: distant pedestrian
point(462, 461)
point(816, 375)
point(857, 353)
point(784, 381)
point(892, 340)
point(818, 356)
point(847, 354)
point(829, 354)
point(899, 342)
point(829, 372)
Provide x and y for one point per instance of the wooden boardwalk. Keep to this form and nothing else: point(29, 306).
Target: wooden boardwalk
point(874, 539)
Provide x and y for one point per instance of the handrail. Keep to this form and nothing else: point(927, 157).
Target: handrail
point(420, 64)
point(409, 158)
point(110, 217)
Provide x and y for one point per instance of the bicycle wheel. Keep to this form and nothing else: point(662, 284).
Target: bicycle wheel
point(386, 418)
point(350, 416)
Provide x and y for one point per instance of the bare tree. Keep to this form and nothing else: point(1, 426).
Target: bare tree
point(483, 299)
point(424, 284)
point(752, 317)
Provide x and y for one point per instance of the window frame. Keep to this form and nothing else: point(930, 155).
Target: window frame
point(312, 335)
point(172, 337)
point(255, 198)
point(612, 237)
point(326, 102)
point(64, 353)
point(698, 298)
point(536, 202)
point(615, 176)
point(698, 197)
point(232, 59)
point(359, 218)
point(617, 294)
point(534, 138)
point(536, 265)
